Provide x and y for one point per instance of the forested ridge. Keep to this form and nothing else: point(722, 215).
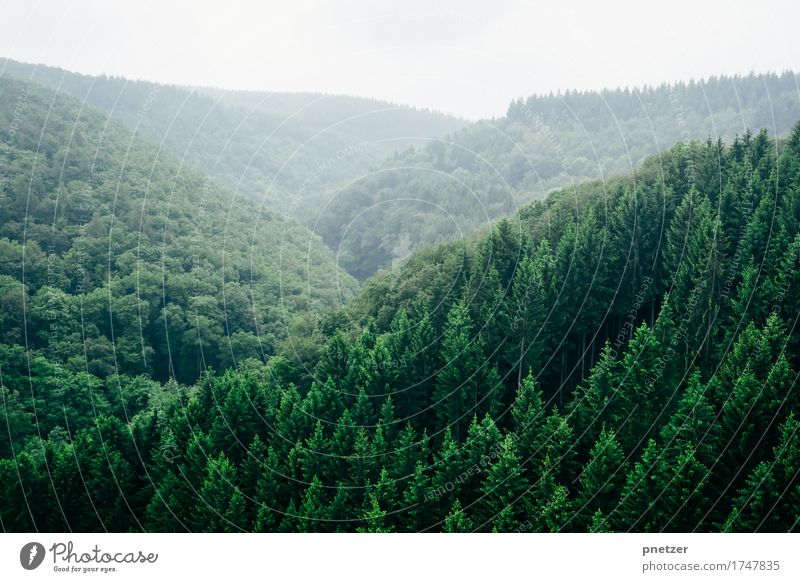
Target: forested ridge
point(283, 150)
point(375, 180)
point(115, 258)
point(620, 356)
point(488, 170)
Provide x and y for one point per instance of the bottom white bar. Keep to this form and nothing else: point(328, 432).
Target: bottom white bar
point(371, 557)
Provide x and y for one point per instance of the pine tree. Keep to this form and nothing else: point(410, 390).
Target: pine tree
point(560, 447)
point(550, 506)
point(406, 453)
point(423, 362)
point(644, 395)
point(694, 422)
point(449, 466)
point(160, 515)
point(457, 387)
point(361, 461)
point(380, 511)
point(528, 414)
point(272, 493)
point(358, 361)
point(769, 501)
point(502, 249)
point(400, 341)
point(290, 522)
point(334, 361)
point(457, 521)
point(323, 402)
point(635, 225)
point(267, 520)
point(313, 510)
point(250, 474)
point(341, 511)
point(315, 456)
point(363, 412)
point(382, 368)
point(482, 448)
point(783, 288)
point(746, 419)
point(640, 493)
point(108, 479)
point(292, 423)
point(693, 266)
point(526, 314)
point(599, 523)
point(192, 472)
point(387, 420)
point(219, 501)
point(684, 503)
point(236, 516)
point(374, 517)
point(418, 500)
point(598, 403)
point(663, 496)
point(601, 479)
point(251, 466)
point(239, 418)
point(343, 442)
point(503, 489)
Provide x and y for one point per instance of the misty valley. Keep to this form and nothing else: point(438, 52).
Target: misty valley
point(244, 311)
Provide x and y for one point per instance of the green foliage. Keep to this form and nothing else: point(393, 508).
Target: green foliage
point(576, 368)
point(139, 259)
point(489, 169)
point(280, 149)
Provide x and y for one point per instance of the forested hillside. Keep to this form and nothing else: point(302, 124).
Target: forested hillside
point(451, 187)
point(281, 149)
point(621, 356)
point(116, 259)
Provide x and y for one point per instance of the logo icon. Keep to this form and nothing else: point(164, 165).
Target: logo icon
point(31, 555)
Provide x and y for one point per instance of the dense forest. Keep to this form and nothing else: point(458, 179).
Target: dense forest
point(116, 259)
point(490, 169)
point(283, 150)
point(377, 180)
point(620, 356)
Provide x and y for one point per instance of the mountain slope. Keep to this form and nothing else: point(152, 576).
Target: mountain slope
point(116, 257)
point(620, 357)
point(281, 149)
point(452, 187)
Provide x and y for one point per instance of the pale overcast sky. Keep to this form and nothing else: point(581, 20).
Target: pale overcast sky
point(460, 56)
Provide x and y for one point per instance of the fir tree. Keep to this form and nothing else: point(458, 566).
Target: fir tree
point(457, 387)
point(457, 521)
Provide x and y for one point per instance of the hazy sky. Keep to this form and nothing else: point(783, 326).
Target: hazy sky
point(461, 56)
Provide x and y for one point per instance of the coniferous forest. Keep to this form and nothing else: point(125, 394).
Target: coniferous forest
point(617, 353)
